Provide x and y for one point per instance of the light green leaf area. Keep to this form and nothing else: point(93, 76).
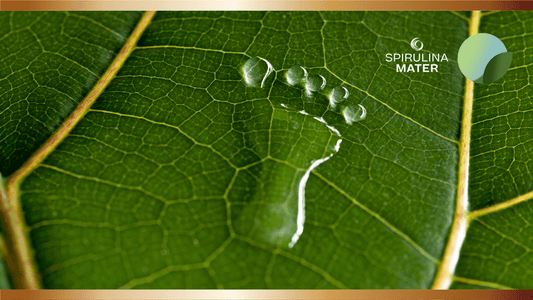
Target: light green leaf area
point(182, 176)
point(498, 246)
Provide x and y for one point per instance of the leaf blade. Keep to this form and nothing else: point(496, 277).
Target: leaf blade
point(180, 171)
point(43, 72)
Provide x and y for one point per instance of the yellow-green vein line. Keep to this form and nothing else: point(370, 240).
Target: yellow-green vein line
point(500, 206)
point(481, 283)
point(444, 275)
point(18, 255)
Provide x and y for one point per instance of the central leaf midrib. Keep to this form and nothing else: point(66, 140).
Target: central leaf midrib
point(444, 274)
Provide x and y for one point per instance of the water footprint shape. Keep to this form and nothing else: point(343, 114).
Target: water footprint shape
point(280, 213)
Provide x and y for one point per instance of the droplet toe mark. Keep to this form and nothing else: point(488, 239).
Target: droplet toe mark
point(296, 75)
point(354, 113)
point(338, 95)
point(256, 71)
point(315, 83)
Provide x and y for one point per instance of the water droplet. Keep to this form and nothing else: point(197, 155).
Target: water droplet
point(315, 83)
point(354, 113)
point(338, 95)
point(145, 269)
point(256, 70)
point(195, 241)
point(163, 252)
point(296, 74)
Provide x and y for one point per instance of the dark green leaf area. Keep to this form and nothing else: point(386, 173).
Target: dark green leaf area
point(49, 61)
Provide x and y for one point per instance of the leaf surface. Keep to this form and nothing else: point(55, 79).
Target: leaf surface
point(498, 244)
point(49, 62)
point(180, 175)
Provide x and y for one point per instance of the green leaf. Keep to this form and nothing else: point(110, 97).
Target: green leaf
point(184, 174)
point(497, 247)
point(4, 277)
point(49, 62)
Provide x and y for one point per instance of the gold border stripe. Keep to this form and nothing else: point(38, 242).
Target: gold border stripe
point(266, 5)
point(265, 294)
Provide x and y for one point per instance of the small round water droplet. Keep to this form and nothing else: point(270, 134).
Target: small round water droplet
point(315, 83)
point(338, 95)
point(256, 70)
point(195, 241)
point(354, 113)
point(296, 74)
point(163, 252)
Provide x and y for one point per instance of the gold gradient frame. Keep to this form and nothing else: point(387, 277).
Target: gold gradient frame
point(310, 5)
point(265, 5)
point(264, 294)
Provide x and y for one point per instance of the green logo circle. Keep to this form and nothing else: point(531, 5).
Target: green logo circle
point(483, 58)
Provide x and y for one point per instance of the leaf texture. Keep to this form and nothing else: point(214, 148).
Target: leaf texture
point(49, 62)
point(497, 247)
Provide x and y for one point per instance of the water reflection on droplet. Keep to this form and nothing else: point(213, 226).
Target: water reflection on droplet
point(354, 113)
point(338, 95)
point(296, 74)
point(256, 70)
point(315, 83)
